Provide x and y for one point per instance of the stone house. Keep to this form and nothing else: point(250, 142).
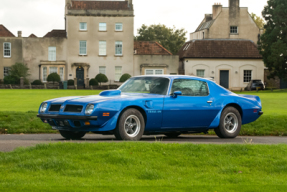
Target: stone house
point(98, 38)
point(223, 48)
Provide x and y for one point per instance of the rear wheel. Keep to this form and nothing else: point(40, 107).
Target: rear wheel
point(172, 135)
point(131, 126)
point(72, 135)
point(230, 123)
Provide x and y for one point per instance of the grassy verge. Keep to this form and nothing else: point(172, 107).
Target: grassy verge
point(144, 167)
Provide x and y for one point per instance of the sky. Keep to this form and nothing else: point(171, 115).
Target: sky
point(41, 16)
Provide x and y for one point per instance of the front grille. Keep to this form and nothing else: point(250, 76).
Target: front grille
point(55, 108)
point(73, 108)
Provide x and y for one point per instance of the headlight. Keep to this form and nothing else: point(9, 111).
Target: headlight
point(43, 107)
point(89, 109)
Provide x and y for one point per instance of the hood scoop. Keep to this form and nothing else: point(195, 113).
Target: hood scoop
point(110, 93)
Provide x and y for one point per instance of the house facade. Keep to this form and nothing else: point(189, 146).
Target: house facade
point(223, 48)
point(98, 38)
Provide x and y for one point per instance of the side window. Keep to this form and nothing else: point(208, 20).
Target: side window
point(190, 87)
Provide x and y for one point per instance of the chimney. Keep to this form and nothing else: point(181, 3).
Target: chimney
point(216, 9)
point(19, 33)
point(234, 4)
point(234, 12)
point(130, 3)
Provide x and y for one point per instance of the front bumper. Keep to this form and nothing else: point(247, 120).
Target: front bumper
point(260, 113)
point(68, 117)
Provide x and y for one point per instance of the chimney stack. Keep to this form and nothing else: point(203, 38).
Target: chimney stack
point(216, 9)
point(19, 33)
point(234, 4)
point(130, 3)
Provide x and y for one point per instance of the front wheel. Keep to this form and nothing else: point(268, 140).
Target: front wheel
point(131, 126)
point(72, 135)
point(230, 123)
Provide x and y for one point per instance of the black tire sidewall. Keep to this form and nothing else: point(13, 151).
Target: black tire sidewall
point(221, 131)
point(120, 132)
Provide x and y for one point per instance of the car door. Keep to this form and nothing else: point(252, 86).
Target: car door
point(193, 109)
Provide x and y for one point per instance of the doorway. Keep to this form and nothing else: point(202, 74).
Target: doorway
point(224, 78)
point(80, 76)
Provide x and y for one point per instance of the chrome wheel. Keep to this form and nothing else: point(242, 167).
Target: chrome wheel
point(132, 126)
point(231, 123)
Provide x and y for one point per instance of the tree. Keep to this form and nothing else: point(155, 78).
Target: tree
point(93, 82)
point(54, 77)
point(170, 38)
point(258, 20)
point(125, 77)
point(17, 71)
point(273, 43)
point(101, 78)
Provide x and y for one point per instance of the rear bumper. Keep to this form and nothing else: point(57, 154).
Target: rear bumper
point(260, 113)
point(72, 117)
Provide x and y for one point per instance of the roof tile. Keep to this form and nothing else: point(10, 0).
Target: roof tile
point(56, 33)
point(99, 5)
point(4, 32)
point(150, 48)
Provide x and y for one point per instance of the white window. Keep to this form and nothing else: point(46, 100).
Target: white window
point(102, 70)
point(119, 27)
point(6, 71)
point(233, 29)
point(200, 73)
point(119, 48)
point(102, 26)
point(53, 70)
point(52, 54)
point(83, 47)
point(154, 72)
point(62, 73)
point(7, 49)
point(118, 73)
point(83, 26)
point(102, 48)
point(247, 76)
point(44, 74)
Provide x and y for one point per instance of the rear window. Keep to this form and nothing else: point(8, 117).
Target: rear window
point(257, 81)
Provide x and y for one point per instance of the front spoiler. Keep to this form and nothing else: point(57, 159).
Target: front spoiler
point(73, 117)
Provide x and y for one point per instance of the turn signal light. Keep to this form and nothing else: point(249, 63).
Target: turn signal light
point(87, 123)
point(106, 114)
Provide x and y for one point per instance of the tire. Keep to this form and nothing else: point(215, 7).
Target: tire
point(131, 126)
point(72, 135)
point(230, 123)
point(172, 134)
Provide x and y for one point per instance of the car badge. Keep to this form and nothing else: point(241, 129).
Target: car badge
point(62, 107)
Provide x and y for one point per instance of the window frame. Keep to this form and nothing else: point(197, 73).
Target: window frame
point(103, 67)
point(116, 73)
point(232, 29)
point(51, 70)
point(62, 76)
point(116, 48)
point(80, 48)
point(207, 86)
point(8, 69)
point(100, 48)
point(49, 52)
point(101, 26)
point(44, 80)
point(121, 26)
point(200, 70)
point(10, 49)
point(154, 71)
point(86, 26)
point(251, 74)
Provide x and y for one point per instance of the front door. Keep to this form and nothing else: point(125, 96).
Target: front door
point(193, 109)
point(224, 79)
point(80, 76)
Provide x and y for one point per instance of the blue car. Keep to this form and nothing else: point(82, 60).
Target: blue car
point(148, 105)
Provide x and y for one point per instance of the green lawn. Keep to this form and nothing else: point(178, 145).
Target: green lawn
point(273, 122)
point(137, 166)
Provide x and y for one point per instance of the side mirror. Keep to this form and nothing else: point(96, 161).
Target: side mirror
point(176, 93)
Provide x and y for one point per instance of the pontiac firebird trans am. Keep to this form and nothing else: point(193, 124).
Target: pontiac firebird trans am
point(169, 105)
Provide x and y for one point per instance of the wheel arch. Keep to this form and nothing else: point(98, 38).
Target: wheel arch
point(236, 106)
point(141, 110)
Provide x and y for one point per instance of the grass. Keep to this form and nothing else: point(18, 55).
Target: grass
point(140, 166)
point(27, 102)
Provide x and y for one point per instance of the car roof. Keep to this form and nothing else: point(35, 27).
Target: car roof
point(177, 77)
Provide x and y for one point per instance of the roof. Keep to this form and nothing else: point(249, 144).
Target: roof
point(56, 33)
point(33, 36)
point(220, 48)
point(150, 48)
point(99, 5)
point(205, 25)
point(4, 32)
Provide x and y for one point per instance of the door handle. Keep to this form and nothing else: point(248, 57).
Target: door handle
point(209, 101)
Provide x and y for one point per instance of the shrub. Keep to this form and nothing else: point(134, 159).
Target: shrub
point(71, 82)
point(26, 82)
point(93, 82)
point(101, 78)
point(125, 77)
point(19, 70)
point(54, 77)
point(10, 80)
point(37, 82)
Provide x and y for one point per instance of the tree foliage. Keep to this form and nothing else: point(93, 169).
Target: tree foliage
point(53, 77)
point(37, 82)
point(258, 20)
point(101, 78)
point(71, 82)
point(273, 43)
point(170, 38)
point(17, 71)
point(93, 82)
point(125, 77)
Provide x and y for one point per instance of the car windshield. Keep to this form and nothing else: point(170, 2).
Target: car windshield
point(149, 85)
